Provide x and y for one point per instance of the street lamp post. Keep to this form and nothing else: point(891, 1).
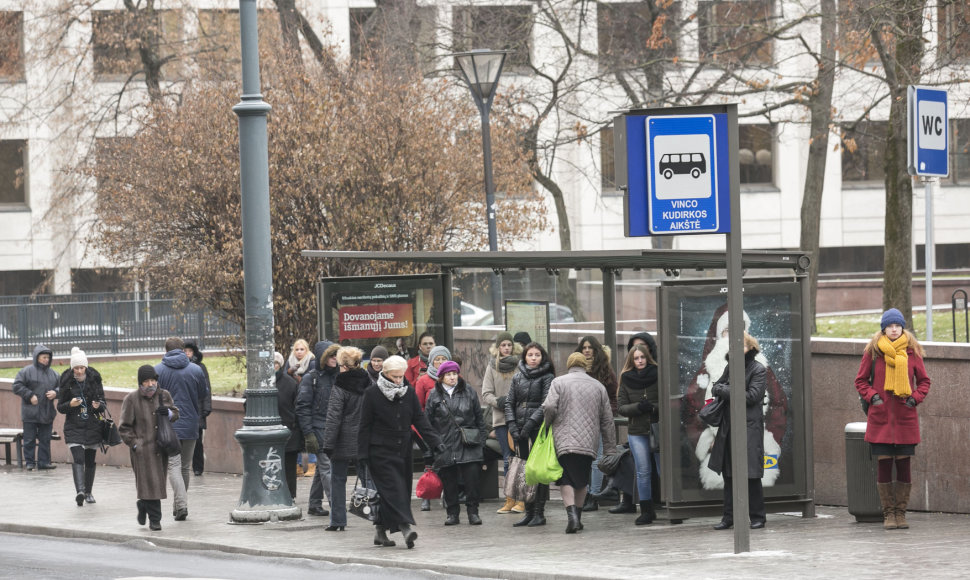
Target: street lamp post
point(481, 69)
point(265, 495)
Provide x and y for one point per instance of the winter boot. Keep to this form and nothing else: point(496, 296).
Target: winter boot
point(473, 517)
point(530, 513)
point(572, 519)
point(77, 470)
point(409, 535)
point(888, 501)
point(507, 507)
point(426, 505)
point(311, 470)
point(590, 505)
point(647, 514)
point(519, 507)
point(625, 506)
point(89, 470)
point(452, 519)
point(902, 500)
point(142, 513)
point(381, 539)
point(542, 494)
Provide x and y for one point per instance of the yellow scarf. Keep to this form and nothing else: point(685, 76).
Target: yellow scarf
point(897, 365)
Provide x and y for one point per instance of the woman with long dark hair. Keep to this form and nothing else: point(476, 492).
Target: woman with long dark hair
point(523, 416)
point(638, 400)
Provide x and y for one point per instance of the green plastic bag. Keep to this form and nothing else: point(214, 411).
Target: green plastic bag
point(543, 465)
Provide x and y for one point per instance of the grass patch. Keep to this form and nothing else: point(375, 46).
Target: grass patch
point(227, 375)
point(865, 325)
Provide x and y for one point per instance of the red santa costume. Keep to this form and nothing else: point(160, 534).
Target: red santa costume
point(699, 393)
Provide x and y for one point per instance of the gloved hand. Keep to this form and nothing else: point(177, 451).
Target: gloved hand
point(311, 443)
point(528, 427)
point(362, 464)
point(645, 406)
point(875, 400)
point(440, 450)
point(513, 431)
point(911, 402)
point(501, 402)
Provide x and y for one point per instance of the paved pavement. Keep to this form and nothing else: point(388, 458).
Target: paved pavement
point(831, 545)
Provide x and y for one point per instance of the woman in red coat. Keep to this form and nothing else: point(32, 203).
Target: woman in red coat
point(893, 380)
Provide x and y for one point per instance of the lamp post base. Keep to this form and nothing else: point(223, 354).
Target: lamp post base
point(265, 496)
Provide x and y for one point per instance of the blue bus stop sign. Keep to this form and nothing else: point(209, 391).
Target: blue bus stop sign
point(684, 166)
point(927, 139)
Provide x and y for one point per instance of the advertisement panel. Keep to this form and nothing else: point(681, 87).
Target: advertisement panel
point(374, 321)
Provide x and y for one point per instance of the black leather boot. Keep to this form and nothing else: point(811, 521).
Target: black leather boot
point(647, 515)
point(142, 513)
point(89, 471)
point(409, 535)
point(77, 470)
point(452, 519)
point(590, 505)
point(625, 506)
point(381, 539)
point(542, 494)
point(530, 512)
point(473, 518)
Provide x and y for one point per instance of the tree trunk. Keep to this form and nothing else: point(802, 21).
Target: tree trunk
point(563, 288)
point(821, 110)
point(290, 28)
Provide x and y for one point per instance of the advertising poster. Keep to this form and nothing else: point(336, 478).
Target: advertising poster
point(530, 316)
point(694, 350)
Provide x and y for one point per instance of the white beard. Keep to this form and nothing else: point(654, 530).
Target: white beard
point(711, 480)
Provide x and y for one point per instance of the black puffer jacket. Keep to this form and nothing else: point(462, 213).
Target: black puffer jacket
point(526, 395)
point(343, 414)
point(447, 414)
point(78, 430)
point(312, 401)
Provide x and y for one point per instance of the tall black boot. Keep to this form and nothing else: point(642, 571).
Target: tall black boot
point(90, 467)
point(542, 494)
point(77, 470)
point(647, 515)
point(625, 506)
point(572, 519)
point(530, 512)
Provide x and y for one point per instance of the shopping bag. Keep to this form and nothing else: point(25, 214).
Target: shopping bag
point(543, 465)
point(165, 437)
point(515, 485)
point(429, 485)
point(364, 502)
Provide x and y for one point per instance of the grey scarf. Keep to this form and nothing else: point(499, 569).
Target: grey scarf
point(389, 389)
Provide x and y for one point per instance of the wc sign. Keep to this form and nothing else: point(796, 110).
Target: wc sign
point(927, 139)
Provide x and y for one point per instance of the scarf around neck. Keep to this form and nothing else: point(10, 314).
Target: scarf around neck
point(389, 389)
point(300, 365)
point(506, 364)
point(897, 365)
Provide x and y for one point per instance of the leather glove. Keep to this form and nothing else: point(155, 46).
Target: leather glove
point(875, 400)
point(501, 402)
point(311, 443)
point(440, 450)
point(911, 402)
point(514, 431)
point(645, 406)
point(528, 427)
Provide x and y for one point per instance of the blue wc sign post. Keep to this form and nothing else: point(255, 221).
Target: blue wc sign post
point(928, 147)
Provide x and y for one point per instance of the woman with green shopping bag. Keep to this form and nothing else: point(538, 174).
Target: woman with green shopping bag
point(578, 411)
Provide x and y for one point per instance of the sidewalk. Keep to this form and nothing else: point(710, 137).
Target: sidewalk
point(829, 546)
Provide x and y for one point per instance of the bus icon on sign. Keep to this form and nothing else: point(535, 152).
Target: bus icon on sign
point(682, 163)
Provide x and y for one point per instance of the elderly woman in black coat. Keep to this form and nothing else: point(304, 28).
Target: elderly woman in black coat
point(388, 411)
point(340, 435)
point(755, 385)
point(81, 400)
point(454, 411)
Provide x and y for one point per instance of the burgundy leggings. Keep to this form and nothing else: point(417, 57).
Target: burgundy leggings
point(885, 474)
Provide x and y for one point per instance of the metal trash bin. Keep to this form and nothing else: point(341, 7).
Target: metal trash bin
point(860, 476)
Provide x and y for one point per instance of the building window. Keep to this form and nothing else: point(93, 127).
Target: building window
point(954, 18)
point(116, 37)
point(218, 42)
point(13, 177)
point(630, 36)
point(498, 28)
point(735, 33)
point(863, 151)
point(11, 46)
point(398, 29)
point(959, 152)
point(607, 161)
point(754, 156)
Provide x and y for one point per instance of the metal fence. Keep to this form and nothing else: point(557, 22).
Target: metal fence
point(103, 324)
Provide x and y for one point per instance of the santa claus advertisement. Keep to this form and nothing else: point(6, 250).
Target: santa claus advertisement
point(694, 349)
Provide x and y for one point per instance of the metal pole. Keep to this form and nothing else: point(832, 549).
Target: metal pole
point(928, 256)
point(739, 434)
point(609, 317)
point(490, 209)
point(265, 495)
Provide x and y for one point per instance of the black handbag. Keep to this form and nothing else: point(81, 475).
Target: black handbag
point(364, 502)
point(470, 436)
point(713, 413)
point(165, 437)
point(109, 431)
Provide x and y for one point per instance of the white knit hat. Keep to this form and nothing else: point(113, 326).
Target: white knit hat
point(278, 358)
point(78, 358)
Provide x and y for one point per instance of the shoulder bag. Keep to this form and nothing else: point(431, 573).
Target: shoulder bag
point(165, 437)
point(469, 435)
point(109, 431)
point(364, 502)
point(543, 464)
point(713, 413)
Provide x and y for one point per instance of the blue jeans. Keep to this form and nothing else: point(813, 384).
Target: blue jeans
point(643, 459)
point(596, 476)
point(321, 482)
point(41, 433)
point(502, 435)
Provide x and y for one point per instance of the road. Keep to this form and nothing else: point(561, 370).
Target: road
point(41, 558)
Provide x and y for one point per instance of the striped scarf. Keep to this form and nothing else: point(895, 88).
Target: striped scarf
point(897, 365)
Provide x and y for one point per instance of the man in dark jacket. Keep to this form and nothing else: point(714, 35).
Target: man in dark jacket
point(198, 456)
point(311, 411)
point(36, 385)
point(185, 381)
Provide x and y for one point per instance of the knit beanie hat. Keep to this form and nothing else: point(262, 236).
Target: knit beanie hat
point(437, 351)
point(449, 366)
point(502, 337)
point(379, 352)
point(577, 359)
point(146, 373)
point(278, 359)
point(78, 358)
point(523, 338)
point(395, 363)
point(892, 316)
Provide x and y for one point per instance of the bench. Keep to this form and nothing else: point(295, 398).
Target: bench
point(16, 437)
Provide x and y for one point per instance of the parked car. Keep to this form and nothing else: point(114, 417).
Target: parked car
point(472, 315)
